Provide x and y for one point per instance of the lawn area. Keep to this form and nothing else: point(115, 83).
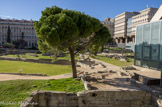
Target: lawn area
point(114, 48)
point(30, 56)
point(18, 90)
point(29, 67)
point(115, 61)
point(40, 56)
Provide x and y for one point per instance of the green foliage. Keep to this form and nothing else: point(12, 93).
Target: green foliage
point(20, 43)
point(8, 35)
point(114, 48)
point(128, 59)
point(40, 56)
point(9, 45)
point(58, 28)
point(101, 37)
point(110, 40)
point(94, 49)
point(115, 61)
point(17, 90)
point(62, 29)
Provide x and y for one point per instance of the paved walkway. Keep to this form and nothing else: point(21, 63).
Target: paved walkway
point(6, 77)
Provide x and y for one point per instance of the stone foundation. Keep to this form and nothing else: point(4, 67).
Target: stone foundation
point(93, 98)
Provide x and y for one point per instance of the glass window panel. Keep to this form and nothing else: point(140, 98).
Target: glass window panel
point(154, 52)
point(146, 33)
point(138, 51)
point(139, 35)
point(146, 51)
point(161, 42)
point(155, 32)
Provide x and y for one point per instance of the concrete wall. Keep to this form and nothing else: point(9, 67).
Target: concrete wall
point(93, 98)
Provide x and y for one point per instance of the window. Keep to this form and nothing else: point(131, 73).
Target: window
point(146, 51)
point(154, 52)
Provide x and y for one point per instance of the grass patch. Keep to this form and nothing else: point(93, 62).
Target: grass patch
point(114, 48)
point(116, 61)
point(18, 90)
point(40, 56)
point(29, 67)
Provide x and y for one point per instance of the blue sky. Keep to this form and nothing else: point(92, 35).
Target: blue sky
point(31, 9)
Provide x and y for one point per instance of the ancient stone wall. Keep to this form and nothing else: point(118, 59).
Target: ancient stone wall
point(93, 98)
point(51, 99)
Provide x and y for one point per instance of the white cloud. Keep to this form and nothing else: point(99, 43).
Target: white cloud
point(5, 16)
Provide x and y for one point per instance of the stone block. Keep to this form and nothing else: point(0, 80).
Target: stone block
point(103, 76)
point(136, 103)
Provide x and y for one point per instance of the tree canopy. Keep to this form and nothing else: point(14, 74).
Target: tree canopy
point(8, 35)
point(68, 29)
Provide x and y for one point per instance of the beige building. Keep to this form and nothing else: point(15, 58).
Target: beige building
point(121, 26)
point(125, 25)
point(143, 17)
point(18, 27)
point(109, 23)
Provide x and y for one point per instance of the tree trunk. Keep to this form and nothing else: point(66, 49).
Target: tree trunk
point(102, 48)
point(95, 53)
point(72, 55)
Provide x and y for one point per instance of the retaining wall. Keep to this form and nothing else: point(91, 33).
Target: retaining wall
point(93, 98)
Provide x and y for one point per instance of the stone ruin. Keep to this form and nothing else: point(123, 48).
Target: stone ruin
point(118, 57)
point(144, 97)
point(93, 98)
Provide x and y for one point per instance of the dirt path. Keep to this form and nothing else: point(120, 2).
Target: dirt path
point(6, 77)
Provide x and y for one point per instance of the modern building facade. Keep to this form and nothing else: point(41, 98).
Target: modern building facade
point(121, 27)
point(17, 27)
point(143, 17)
point(148, 48)
point(129, 27)
point(109, 23)
point(125, 26)
point(148, 45)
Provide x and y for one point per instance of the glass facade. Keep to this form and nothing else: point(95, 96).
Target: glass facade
point(129, 27)
point(148, 48)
